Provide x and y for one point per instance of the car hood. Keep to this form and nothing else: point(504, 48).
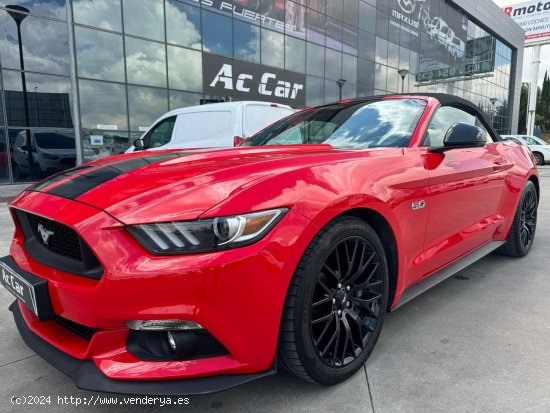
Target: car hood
point(175, 185)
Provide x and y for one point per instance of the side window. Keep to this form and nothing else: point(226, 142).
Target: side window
point(160, 134)
point(444, 118)
point(530, 141)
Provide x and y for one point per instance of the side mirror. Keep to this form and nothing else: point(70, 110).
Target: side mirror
point(138, 144)
point(463, 135)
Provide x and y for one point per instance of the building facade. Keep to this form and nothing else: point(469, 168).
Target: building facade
point(97, 73)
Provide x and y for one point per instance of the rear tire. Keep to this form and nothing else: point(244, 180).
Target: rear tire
point(335, 304)
point(522, 233)
point(539, 158)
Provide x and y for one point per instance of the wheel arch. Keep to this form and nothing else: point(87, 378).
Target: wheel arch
point(535, 180)
point(384, 230)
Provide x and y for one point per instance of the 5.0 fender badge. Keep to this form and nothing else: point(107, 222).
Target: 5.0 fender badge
point(416, 205)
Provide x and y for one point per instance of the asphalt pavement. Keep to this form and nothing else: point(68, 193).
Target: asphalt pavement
point(478, 342)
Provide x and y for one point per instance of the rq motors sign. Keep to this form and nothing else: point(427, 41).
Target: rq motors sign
point(239, 80)
point(534, 18)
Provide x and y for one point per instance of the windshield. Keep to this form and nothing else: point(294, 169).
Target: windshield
point(54, 141)
point(382, 123)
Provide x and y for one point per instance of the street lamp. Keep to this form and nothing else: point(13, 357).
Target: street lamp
point(403, 73)
point(493, 101)
point(18, 14)
point(341, 82)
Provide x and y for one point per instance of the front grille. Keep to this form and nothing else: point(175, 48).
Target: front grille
point(79, 329)
point(56, 237)
point(57, 245)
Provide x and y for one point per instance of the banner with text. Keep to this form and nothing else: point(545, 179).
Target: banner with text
point(533, 17)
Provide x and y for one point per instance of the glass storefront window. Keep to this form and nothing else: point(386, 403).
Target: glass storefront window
point(48, 99)
point(351, 12)
point(105, 14)
point(102, 105)
point(217, 33)
point(180, 99)
point(334, 8)
point(349, 69)
point(315, 91)
point(191, 77)
point(367, 17)
point(246, 41)
point(315, 60)
point(273, 52)
point(99, 55)
point(145, 104)
point(295, 19)
point(315, 27)
point(4, 157)
point(145, 62)
point(333, 64)
point(45, 44)
point(183, 24)
point(295, 54)
point(144, 18)
point(47, 8)
point(334, 34)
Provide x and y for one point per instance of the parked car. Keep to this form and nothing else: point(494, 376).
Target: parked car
point(211, 125)
point(183, 272)
point(540, 148)
point(51, 151)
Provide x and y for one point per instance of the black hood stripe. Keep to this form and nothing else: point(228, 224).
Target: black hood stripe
point(99, 174)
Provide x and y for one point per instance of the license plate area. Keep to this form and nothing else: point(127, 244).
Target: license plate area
point(27, 288)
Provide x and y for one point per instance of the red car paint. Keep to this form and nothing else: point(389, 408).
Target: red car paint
point(237, 295)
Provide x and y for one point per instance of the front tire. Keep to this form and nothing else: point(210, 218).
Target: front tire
point(522, 233)
point(336, 303)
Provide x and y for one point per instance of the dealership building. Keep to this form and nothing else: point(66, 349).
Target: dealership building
point(97, 73)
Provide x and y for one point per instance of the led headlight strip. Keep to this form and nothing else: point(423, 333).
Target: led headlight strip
point(187, 237)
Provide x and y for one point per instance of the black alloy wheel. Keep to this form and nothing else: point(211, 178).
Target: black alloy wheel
point(539, 159)
point(522, 234)
point(336, 303)
point(346, 300)
point(528, 218)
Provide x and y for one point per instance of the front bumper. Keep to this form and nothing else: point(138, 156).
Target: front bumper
point(87, 376)
point(236, 295)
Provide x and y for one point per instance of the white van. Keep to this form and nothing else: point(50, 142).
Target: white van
point(211, 125)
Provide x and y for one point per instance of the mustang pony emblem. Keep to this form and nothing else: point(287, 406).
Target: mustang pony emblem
point(44, 233)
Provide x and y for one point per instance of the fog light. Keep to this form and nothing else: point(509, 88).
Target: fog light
point(171, 341)
point(182, 343)
point(162, 325)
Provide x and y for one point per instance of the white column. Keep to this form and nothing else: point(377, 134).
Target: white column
point(535, 63)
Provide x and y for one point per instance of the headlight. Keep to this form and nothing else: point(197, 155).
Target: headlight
point(188, 237)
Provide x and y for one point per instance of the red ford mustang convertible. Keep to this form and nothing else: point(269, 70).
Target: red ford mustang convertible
point(192, 271)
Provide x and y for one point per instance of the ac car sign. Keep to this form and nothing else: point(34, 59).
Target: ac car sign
point(226, 77)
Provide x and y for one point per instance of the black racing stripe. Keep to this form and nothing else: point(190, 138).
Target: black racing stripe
point(39, 186)
point(81, 184)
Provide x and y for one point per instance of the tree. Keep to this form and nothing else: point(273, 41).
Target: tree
point(524, 97)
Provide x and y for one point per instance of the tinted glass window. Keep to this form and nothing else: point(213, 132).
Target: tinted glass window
point(47, 140)
point(160, 134)
point(246, 39)
point(385, 123)
point(99, 55)
point(191, 77)
point(144, 18)
point(442, 121)
point(145, 62)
